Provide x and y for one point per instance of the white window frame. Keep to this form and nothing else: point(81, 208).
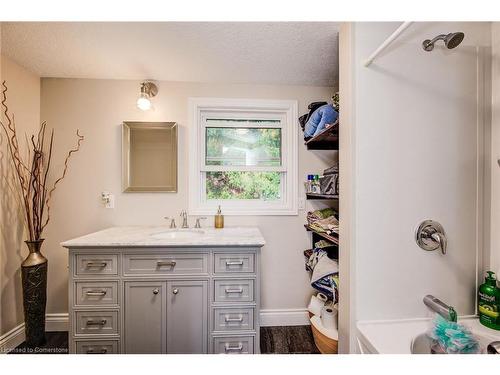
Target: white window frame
point(287, 112)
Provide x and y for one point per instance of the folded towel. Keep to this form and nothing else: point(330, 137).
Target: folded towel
point(328, 225)
point(320, 214)
point(324, 273)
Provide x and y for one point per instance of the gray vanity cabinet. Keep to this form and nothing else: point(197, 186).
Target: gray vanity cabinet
point(145, 317)
point(191, 300)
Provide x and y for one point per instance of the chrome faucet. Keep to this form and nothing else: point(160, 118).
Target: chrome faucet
point(172, 223)
point(441, 308)
point(198, 225)
point(184, 217)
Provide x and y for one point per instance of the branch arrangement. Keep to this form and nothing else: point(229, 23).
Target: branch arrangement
point(33, 171)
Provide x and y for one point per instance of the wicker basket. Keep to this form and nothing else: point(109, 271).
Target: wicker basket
point(324, 344)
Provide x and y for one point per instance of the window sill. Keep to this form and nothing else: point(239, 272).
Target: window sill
point(244, 212)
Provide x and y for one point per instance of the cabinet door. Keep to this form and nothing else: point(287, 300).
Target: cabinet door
point(187, 317)
point(145, 317)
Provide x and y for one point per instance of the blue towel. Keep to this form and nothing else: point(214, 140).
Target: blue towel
point(321, 117)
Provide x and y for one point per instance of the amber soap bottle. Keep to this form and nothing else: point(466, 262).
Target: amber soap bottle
point(219, 219)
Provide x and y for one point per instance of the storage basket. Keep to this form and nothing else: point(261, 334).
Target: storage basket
point(329, 184)
point(324, 344)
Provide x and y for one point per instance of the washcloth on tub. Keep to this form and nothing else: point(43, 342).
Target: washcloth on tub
point(325, 274)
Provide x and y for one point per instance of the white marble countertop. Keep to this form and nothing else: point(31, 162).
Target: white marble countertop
point(396, 336)
point(162, 236)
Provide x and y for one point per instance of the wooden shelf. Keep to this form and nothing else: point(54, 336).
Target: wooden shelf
point(312, 196)
point(326, 236)
point(326, 140)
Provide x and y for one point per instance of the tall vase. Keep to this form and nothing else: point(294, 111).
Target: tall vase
point(34, 278)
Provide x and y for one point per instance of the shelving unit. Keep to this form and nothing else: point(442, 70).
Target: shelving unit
point(328, 139)
point(314, 196)
point(322, 235)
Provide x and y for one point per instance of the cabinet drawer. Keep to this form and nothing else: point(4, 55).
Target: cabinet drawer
point(96, 322)
point(96, 293)
point(97, 347)
point(89, 264)
point(239, 319)
point(234, 345)
point(234, 290)
point(234, 263)
point(165, 264)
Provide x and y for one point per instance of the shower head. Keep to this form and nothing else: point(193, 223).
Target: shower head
point(451, 40)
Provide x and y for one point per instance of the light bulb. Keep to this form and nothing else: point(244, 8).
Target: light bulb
point(143, 103)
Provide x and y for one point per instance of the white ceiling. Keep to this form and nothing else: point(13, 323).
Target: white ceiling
point(302, 53)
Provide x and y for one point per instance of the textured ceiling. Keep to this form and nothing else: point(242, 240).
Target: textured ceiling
point(302, 53)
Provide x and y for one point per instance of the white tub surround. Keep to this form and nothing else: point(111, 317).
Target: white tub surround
point(396, 336)
point(151, 289)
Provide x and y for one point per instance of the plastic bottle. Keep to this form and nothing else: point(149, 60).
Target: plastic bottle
point(489, 302)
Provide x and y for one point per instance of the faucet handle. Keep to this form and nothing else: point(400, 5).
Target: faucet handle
point(172, 223)
point(198, 225)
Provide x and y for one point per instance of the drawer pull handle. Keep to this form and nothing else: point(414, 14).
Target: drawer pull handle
point(156, 291)
point(98, 293)
point(229, 348)
point(237, 320)
point(100, 351)
point(175, 291)
point(239, 290)
point(96, 264)
point(170, 263)
point(234, 263)
point(101, 322)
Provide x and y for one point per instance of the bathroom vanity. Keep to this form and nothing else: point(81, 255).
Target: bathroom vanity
point(158, 290)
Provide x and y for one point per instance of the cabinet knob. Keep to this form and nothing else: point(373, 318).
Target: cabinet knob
point(175, 291)
point(156, 291)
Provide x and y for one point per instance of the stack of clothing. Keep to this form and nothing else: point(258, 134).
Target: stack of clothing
point(325, 273)
point(324, 221)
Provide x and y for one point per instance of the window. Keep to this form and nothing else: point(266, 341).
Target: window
point(243, 156)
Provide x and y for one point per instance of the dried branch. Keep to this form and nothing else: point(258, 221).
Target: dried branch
point(32, 173)
point(68, 156)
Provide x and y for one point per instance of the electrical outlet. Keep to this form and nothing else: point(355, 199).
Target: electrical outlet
point(108, 199)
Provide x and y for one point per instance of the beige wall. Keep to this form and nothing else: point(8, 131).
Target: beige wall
point(24, 101)
point(97, 108)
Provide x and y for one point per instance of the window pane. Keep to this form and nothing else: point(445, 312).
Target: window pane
point(243, 146)
point(239, 122)
point(243, 185)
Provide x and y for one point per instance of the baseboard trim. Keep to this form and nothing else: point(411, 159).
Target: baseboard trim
point(16, 336)
point(57, 322)
point(12, 339)
point(284, 317)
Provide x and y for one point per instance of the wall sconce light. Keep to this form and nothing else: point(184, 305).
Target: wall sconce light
point(148, 91)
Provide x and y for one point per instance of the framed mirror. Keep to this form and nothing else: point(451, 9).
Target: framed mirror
point(149, 157)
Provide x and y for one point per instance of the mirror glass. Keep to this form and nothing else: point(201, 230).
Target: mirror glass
point(149, 156)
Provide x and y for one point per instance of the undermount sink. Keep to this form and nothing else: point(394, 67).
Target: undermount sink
point(422, 344)
point(176, 234)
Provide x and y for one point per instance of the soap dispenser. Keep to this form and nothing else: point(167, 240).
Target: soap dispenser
point(219, 219)
point(489, 302)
